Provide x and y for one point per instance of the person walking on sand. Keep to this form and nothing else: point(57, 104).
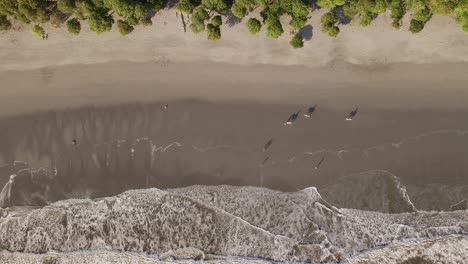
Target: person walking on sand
point(292, 118)
point(352, 115)
point(177, 15)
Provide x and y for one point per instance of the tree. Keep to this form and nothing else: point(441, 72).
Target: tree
point(398, 10)
point(57, 19)
point(365, 19)
point(416, 26)
point(253, 25)
point(328, 19)
point(33, 11)
point(297, 41)
point(213, 32)
point(330, 3)
point(273, 27)
point(141, 10)
point(298, 22)
point(217, 21)
point(333, 31)
point(443, 7)
point(124, 8)
point(422, 15)
point(74, 26)
point(328, 24)
point(146, 21)
point(197, 26)
point(185, 6)
point(218, 5)
point(240, 8)
point(99, 21)
point(198, 20)
point(66, 6)
point(5, 24)
point(38, 30)
point(124, 27)
point(462, 13)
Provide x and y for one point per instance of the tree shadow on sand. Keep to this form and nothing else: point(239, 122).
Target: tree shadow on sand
point(306, 32)
point(340, 15)
point(231, 20)
point(171, 3)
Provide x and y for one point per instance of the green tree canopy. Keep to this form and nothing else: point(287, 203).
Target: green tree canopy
point(198, 20)
point(38, 30)
point(240, 8)
point(253, 25)
point(200, 14)
point(185, 6)
point(124, 27)
point(146, 21)
point(217, 21)
point(416, 26)
point(124, 8)
point(213, 32)
point(66, 6)
point(329, 27)
point(398, 10)
point(218, 5)
point(5, 24)
point(365, 19)
point(298, 22)
point(74, 26)
point(462, 13)
point(297, 41)
point(273, 27)
point(330, 3)
point(99, 21)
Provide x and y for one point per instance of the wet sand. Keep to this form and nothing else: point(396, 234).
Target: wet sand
point(339, 86)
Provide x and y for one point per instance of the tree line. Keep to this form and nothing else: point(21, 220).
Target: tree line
point(206, 15)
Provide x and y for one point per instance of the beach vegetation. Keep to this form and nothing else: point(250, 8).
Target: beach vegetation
point(273, 27)
point(330, 3)
point(254, 25)
point(100, 15)
point(213, 32)
point(398, 11)
point(38, 31)
point(5, 24)
point(74, 26)
point(416, 26)
point(217, 21)
point(124, 27)
point(66, 6)
point(297, 41)
point(185, 6)
point(198, 20)
point(99, 20)
point(329, 26)
point(146, 21)
point(217, 5)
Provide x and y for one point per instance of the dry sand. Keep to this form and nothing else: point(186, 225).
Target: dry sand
point(443, 40)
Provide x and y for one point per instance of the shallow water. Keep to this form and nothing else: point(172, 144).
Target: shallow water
point(140, 145)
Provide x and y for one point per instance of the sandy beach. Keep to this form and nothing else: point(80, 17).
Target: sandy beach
point(83, 117)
